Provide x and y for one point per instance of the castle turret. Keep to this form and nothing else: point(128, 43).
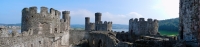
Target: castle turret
point(66, 15)
point(97, 20)
point(141, 19)
point(97, 17)
point(87, 22)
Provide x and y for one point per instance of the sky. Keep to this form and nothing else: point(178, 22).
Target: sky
point(117, 11)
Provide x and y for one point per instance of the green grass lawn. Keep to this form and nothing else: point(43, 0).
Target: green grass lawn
point(168, 33)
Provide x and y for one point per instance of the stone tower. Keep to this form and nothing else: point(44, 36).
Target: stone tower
point(87, 23)
point(143, 27)
point(66, 18)
point(44, 22)
point(189, 23)
point(97, 20)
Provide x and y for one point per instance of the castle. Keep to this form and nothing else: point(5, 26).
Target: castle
point(46, 29)
point(143, 27)
point(44, 22)
point(98, 25)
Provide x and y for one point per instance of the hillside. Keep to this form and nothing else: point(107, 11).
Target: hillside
point(169, 24)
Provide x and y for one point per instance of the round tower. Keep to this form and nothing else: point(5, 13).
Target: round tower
point(66, 15)
point(87, 22)
point(97, 17)
point(97, 20)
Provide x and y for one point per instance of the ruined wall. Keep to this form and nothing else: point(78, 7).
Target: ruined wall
point(4, 32)
point(189, 21)
point(143, 27)
point(102, 39)
point(77, 35)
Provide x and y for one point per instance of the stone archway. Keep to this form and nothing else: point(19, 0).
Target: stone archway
point(100, 43)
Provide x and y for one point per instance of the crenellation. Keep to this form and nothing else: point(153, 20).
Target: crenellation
point(105, 22)
point(136, 20)
point(43, 10)
point(150, 20)
point(109, 22)
point(143, 27)
point(141, 19)
point(131, 19)
point(57, 13)
point(155, 20)
point(25, 10)
point(33, 10)
point(52, 11)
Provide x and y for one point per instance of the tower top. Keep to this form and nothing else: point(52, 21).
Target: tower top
point(97, 14)
point(65, 12)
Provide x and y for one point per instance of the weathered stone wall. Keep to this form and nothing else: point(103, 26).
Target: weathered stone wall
point(143, 27)
point(189, 21)
point(103, 39)
point(50, 40)
point(77, 35)
point(4, 32)
point(44, 22)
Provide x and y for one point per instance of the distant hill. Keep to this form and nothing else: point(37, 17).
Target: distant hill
point(169, 24)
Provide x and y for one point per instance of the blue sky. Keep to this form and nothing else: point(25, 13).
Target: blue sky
point(117, 11)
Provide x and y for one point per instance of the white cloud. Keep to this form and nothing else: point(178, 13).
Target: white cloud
point(169, 7)
point(78, 16)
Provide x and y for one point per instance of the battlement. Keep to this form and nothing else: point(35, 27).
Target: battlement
point(131, 19)
point(155, 20)
point(43, 10)
point(105, 22)
point(98, 14)
point(136, 19)
point(149, 20)
point(141, 19)
point(110, 22)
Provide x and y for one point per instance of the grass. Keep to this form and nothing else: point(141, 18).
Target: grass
point(168, 33)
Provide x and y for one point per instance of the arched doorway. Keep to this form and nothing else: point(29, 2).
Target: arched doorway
point(100, 43)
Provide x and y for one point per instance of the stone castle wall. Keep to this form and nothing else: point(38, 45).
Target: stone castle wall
point(143, 27)
point(189, 21)
point(44, 22)
point(44, 29)
point(51, 40)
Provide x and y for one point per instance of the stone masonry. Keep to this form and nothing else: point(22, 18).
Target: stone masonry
point(98, 25)
point(143, 27)
point(44, 22)
point(189, 26)
point(44, 29)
